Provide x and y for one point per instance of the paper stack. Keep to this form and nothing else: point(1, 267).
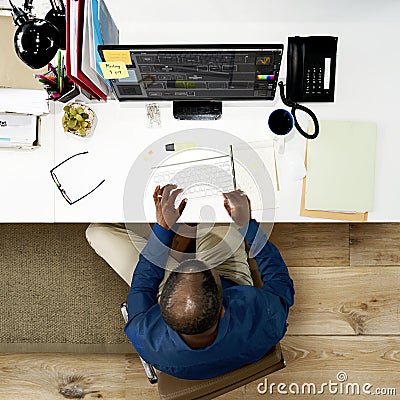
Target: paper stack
point(18, 130)
point(27, 101)
point(341, 170)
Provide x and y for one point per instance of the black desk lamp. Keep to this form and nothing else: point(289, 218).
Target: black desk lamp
point(57, 17)
point(36, 41)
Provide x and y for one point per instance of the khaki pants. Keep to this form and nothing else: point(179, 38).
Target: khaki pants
point(220, 246)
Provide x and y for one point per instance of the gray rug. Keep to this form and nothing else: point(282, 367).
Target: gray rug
point(56, 294)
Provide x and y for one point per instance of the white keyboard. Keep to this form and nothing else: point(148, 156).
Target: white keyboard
point(201, 179)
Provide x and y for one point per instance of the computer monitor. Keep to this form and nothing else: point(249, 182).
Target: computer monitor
point(196, 76)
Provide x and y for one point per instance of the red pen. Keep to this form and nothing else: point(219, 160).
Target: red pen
point(52, 68)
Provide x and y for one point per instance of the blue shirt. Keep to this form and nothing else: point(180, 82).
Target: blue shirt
point(254, 319)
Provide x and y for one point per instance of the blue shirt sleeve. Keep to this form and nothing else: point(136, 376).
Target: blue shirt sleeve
point(149, 272)
point(273, 270)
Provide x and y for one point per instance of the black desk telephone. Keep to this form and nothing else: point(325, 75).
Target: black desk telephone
point(311, 65)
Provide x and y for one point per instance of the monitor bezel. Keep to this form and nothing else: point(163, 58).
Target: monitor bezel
point(193, 47)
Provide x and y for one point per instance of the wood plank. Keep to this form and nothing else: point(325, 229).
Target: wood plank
point(312, 244)
point(310, 359)
point(45, 375)
point(138, 386)
point(136, 383)
point(375, 244)
point(318, 359)
point(345, 301)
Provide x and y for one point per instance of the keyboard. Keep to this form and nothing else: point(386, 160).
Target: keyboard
point(198, 180)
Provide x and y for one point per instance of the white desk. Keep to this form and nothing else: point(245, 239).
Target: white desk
point(115, 148)
point(367, 88)
point(26, 188)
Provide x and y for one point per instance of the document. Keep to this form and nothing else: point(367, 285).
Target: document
point(18, 130)
point(24, 101)
point(256, 173)
point(341, 167)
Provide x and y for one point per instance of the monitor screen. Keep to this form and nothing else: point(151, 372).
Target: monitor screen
point(196, 72)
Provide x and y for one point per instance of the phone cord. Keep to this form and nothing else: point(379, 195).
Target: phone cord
point(296, 106)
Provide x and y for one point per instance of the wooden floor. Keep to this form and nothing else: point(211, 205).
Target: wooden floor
point(345, 321)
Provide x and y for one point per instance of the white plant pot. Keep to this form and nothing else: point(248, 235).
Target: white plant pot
point(92, 119)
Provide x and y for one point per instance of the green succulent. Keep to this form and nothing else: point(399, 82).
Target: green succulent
point(75, 120)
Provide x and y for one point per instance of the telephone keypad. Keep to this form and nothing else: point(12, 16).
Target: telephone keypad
point(314, 80)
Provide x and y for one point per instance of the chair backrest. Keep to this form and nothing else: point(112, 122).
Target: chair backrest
point(171, 388)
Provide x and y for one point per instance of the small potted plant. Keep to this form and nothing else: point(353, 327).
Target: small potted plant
point(78, 119)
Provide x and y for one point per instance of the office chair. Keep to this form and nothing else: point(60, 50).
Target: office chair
point(172, 388)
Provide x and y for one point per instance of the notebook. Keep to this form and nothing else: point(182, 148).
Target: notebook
point(341, 167)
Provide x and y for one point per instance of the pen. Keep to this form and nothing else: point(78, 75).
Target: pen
point(180, 146)
point(61, 76)
point(232, 166)
point(59, 69)
point(47, 79)
point(50, 65)
point(47, 82)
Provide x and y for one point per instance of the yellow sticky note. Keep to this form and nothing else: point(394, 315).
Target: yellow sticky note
point(114, 70)
point(118, 55)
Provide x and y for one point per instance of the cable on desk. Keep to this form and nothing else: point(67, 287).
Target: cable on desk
point(296, 106)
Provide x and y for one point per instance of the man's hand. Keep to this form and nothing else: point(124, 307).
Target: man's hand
point(164, 199)
point(238, 206)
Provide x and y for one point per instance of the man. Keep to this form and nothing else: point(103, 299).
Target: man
point(208, 319)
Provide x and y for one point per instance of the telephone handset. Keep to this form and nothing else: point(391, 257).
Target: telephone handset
point(311, 66)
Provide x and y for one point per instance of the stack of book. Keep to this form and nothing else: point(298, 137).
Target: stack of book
point(89, 24)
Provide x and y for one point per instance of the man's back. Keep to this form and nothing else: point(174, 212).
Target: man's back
point(254, 319)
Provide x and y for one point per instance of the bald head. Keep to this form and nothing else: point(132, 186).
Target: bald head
point(191, 299)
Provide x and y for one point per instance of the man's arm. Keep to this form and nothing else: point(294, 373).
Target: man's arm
point(273, 270)
point(150, 269)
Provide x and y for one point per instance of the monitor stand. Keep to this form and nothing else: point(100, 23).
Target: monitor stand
point(195, 109)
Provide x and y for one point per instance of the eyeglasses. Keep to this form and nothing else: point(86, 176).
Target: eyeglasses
point(58, 184)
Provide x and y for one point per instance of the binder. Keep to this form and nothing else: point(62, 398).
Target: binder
point(79, 38)
point(74, 37)
point(91, 33)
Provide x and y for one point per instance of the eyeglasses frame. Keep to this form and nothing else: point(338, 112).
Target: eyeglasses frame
point(58, 184)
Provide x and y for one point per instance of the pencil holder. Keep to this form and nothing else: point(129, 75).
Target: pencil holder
point(71, 94)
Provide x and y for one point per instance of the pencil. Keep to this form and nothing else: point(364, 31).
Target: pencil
point(59, 70)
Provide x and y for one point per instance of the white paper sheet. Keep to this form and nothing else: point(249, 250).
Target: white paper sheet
point(25, 101)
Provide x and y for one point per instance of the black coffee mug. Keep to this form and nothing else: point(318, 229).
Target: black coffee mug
point(281, 123)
